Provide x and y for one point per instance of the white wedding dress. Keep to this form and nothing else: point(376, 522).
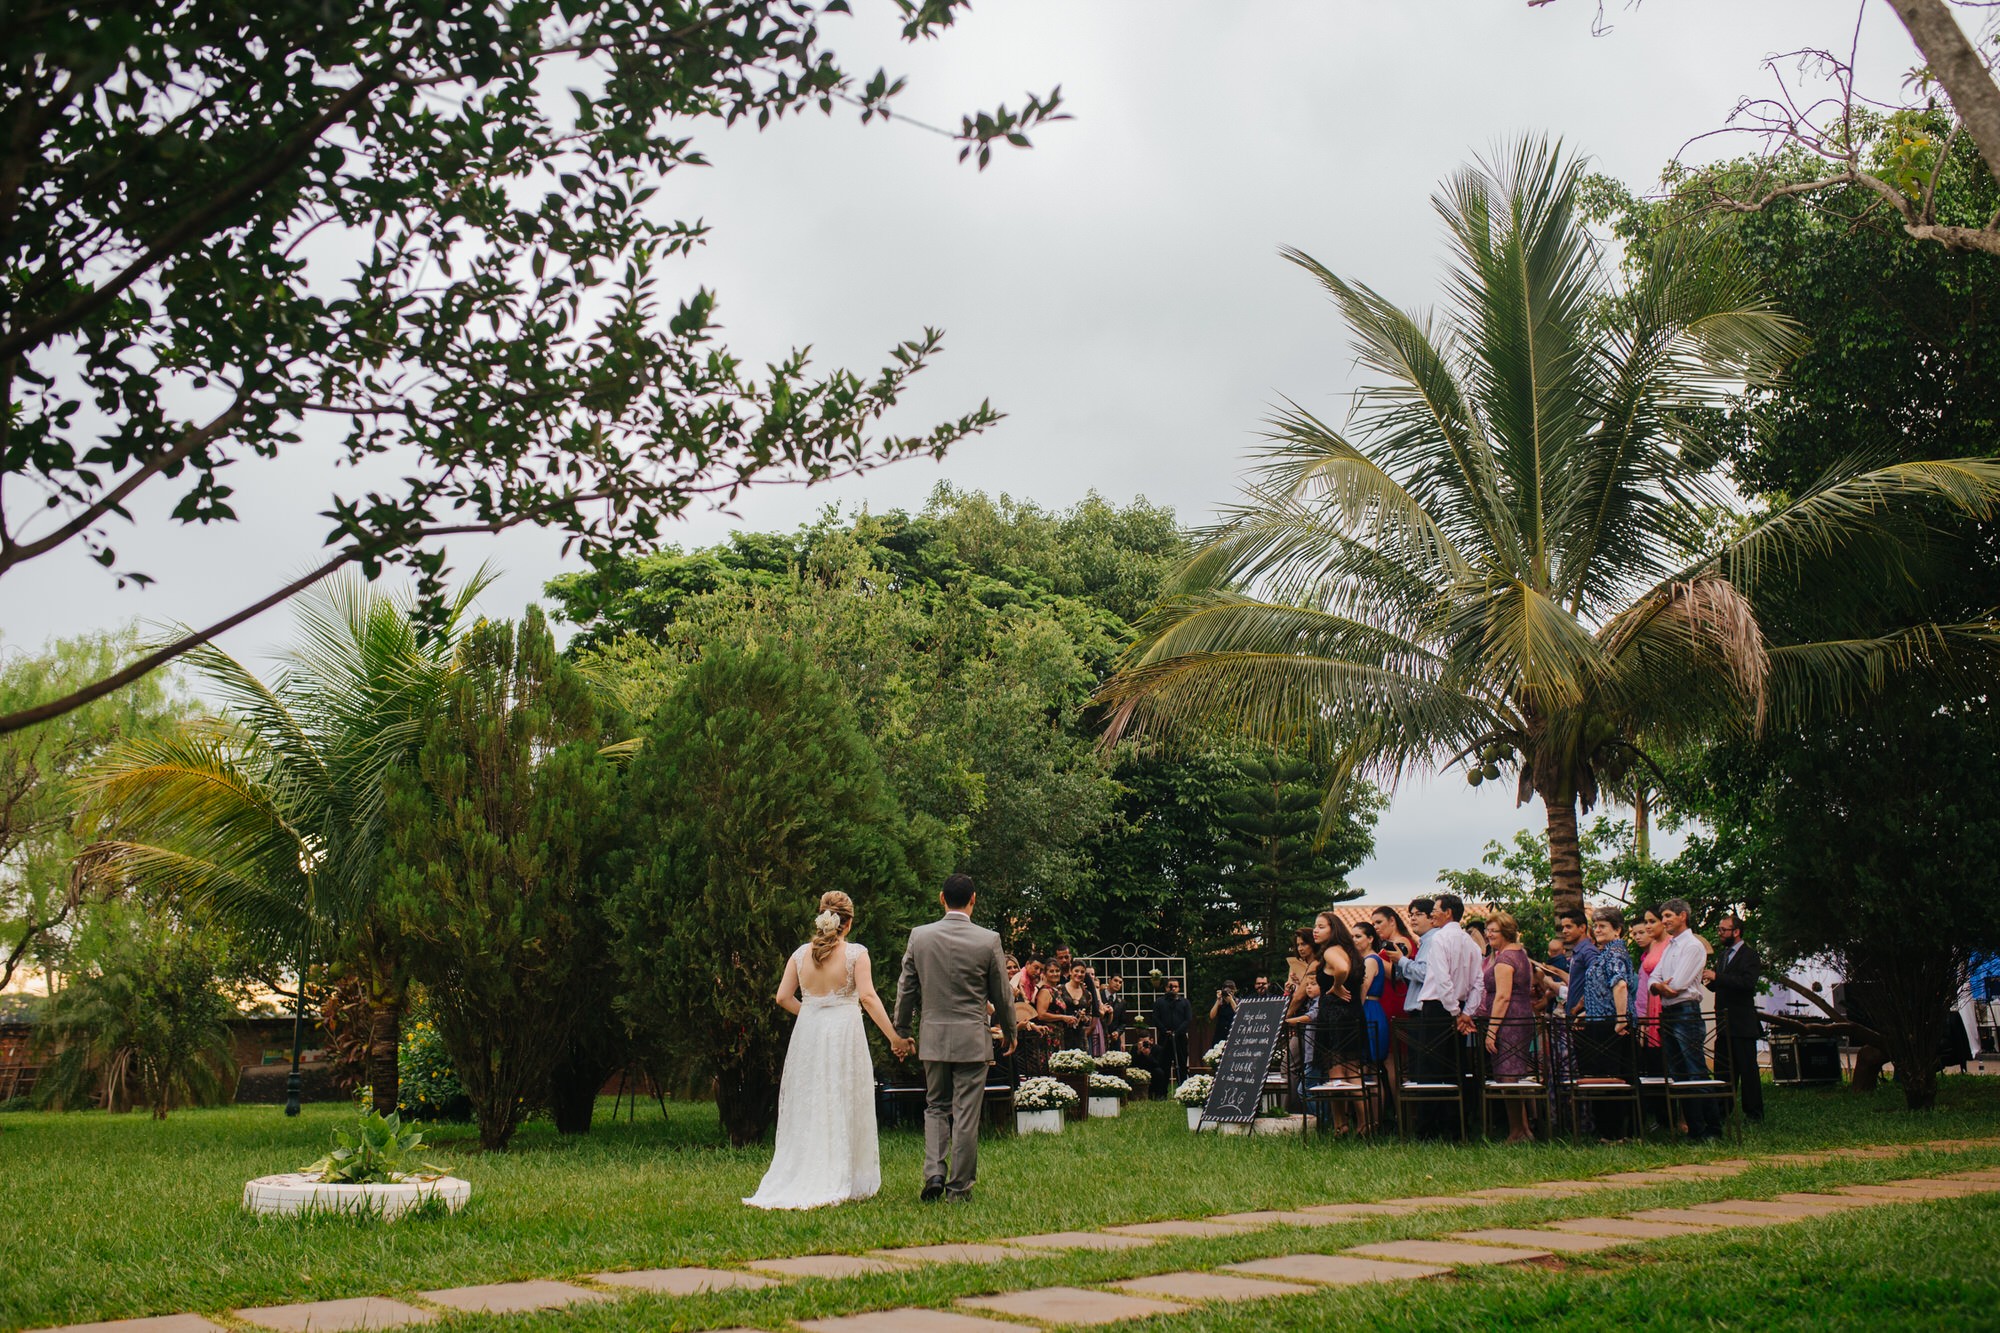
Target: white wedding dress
point(826, 1104)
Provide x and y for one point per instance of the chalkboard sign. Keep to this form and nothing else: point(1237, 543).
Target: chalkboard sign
point(1246, 1060)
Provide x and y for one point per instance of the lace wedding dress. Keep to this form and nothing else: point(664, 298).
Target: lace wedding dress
point(826, 1104)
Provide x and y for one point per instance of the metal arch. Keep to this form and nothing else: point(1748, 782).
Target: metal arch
point(1134, 965)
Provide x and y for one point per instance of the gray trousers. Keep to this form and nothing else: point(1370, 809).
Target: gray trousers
point(953, 1096)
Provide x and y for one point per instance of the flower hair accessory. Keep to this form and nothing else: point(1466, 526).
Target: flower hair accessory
point(826, 921)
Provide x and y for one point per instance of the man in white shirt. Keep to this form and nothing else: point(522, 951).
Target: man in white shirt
point(1450, 981)
point(1677, 989)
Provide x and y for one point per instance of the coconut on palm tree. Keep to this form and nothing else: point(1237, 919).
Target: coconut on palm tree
point(1522, 556)
point(270, 815)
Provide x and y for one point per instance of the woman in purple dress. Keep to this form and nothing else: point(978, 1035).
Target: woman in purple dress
point(1509, 1013)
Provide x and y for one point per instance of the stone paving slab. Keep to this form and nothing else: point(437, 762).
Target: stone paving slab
point(969, 1253)
point(1076, 1240)
point(1161, 1230)
point(1501, 1192)
point(1959, 1187)
point(1358, 1209)
point(683, 1281)
point(1629, 1228)
point(359, 1312)
point(908, 1320)
point(1697, 1219)
point(1072, 1305)
point(1828, 1200)
point(156, 1323)
point(1278, 1217)
point(1564, 1242)
point(1710, 1169)
point(1899, 1193)
point(1991, 1174)
point(1435, 1201)
point(1577, 1186)
point(1334, 1269)
point(1770, 1208)
point(825, 1265)
point(1445, 1252)
point(513, 1297)
point(1207, 1287)
point(1643, 1178)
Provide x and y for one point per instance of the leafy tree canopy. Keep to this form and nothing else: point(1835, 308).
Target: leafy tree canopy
point(422, 234)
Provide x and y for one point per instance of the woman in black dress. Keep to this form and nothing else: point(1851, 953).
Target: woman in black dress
point(1342, 1037)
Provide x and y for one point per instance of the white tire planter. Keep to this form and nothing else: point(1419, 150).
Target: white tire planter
point(295, 1193)
point(1038, 1122)
point(1291, 1124)
point(1104, 1106)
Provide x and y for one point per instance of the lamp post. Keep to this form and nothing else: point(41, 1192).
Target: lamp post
point(308, 861)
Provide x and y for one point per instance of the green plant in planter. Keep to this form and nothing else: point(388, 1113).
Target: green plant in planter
point(379, 1151)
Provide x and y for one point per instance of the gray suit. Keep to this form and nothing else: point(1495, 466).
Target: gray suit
point(955, 970)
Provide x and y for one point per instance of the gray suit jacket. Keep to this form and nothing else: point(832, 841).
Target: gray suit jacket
point(954, 969)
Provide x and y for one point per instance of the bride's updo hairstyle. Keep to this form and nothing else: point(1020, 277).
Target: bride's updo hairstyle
point(836, 913)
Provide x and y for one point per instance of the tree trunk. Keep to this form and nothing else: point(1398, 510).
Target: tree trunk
point(1565, 857)
point(1642, 826)
point(385, 1036)
point(573, 1089)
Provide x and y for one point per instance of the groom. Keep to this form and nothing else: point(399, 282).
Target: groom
point(958, 973)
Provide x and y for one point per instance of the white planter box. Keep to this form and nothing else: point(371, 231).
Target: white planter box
point(1104, 1106)
point(1291, 1124)
point(1038, 1122)
point(1194, 1117)
point(293, 1192)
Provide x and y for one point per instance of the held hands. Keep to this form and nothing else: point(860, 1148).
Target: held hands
point(903, 1047)
point(1708, 976)
point(1465, 1024)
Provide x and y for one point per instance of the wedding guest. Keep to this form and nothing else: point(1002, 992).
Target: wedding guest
point(1446, 973)
point(1677, 986)
point(1054, 1008)
point(1147, 1054)
point(1035, 1038)
point(1341, 1039)
point(1395, 941)
point(1649, 941)
point(1117, 1012)
point(1096, 1035)
point(1574, 925)
point(1736, 979)
point(1606, 983)
point(1173, 1015)
point(1301, 1021)
point(1079, 998)
point(1300, 965)
point(1223, 1012)
point(1507, 1013)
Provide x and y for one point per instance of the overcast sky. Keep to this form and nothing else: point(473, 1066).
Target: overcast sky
point(1116, 290)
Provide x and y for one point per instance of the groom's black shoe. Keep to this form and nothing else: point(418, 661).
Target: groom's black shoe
point(933, 1190)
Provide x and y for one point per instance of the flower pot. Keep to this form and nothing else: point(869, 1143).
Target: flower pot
point(1291, 1124)
point(295, 1192)
point(1039, 1122)
point(1080, 1084)
point(1107, 1107)
point(1194, 1117)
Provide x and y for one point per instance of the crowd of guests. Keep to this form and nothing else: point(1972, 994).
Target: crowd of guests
point(1610, 995)
point(1606, 1003)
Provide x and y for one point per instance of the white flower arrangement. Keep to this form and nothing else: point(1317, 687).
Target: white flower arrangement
point(1194, 1090)
point(1138, 1078)
point(1072, 1062)
point(1109, 1085)
point(1214, 1053)
point(1115, 1060)
point(1044, 1094)
point(826, 922)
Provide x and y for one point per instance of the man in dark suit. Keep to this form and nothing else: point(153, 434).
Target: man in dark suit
point(1736, 978)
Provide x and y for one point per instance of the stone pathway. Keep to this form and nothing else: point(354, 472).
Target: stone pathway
point(1162, 1293)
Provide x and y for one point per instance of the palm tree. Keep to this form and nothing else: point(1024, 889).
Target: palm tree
point(1523, 555)
point(271, 815)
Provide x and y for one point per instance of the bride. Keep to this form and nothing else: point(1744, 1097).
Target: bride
point(826, 1099)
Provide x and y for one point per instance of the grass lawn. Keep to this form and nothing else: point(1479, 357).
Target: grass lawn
point(111, 1216)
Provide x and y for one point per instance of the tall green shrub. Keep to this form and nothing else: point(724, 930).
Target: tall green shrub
point(494, 837)
point(755, 791)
